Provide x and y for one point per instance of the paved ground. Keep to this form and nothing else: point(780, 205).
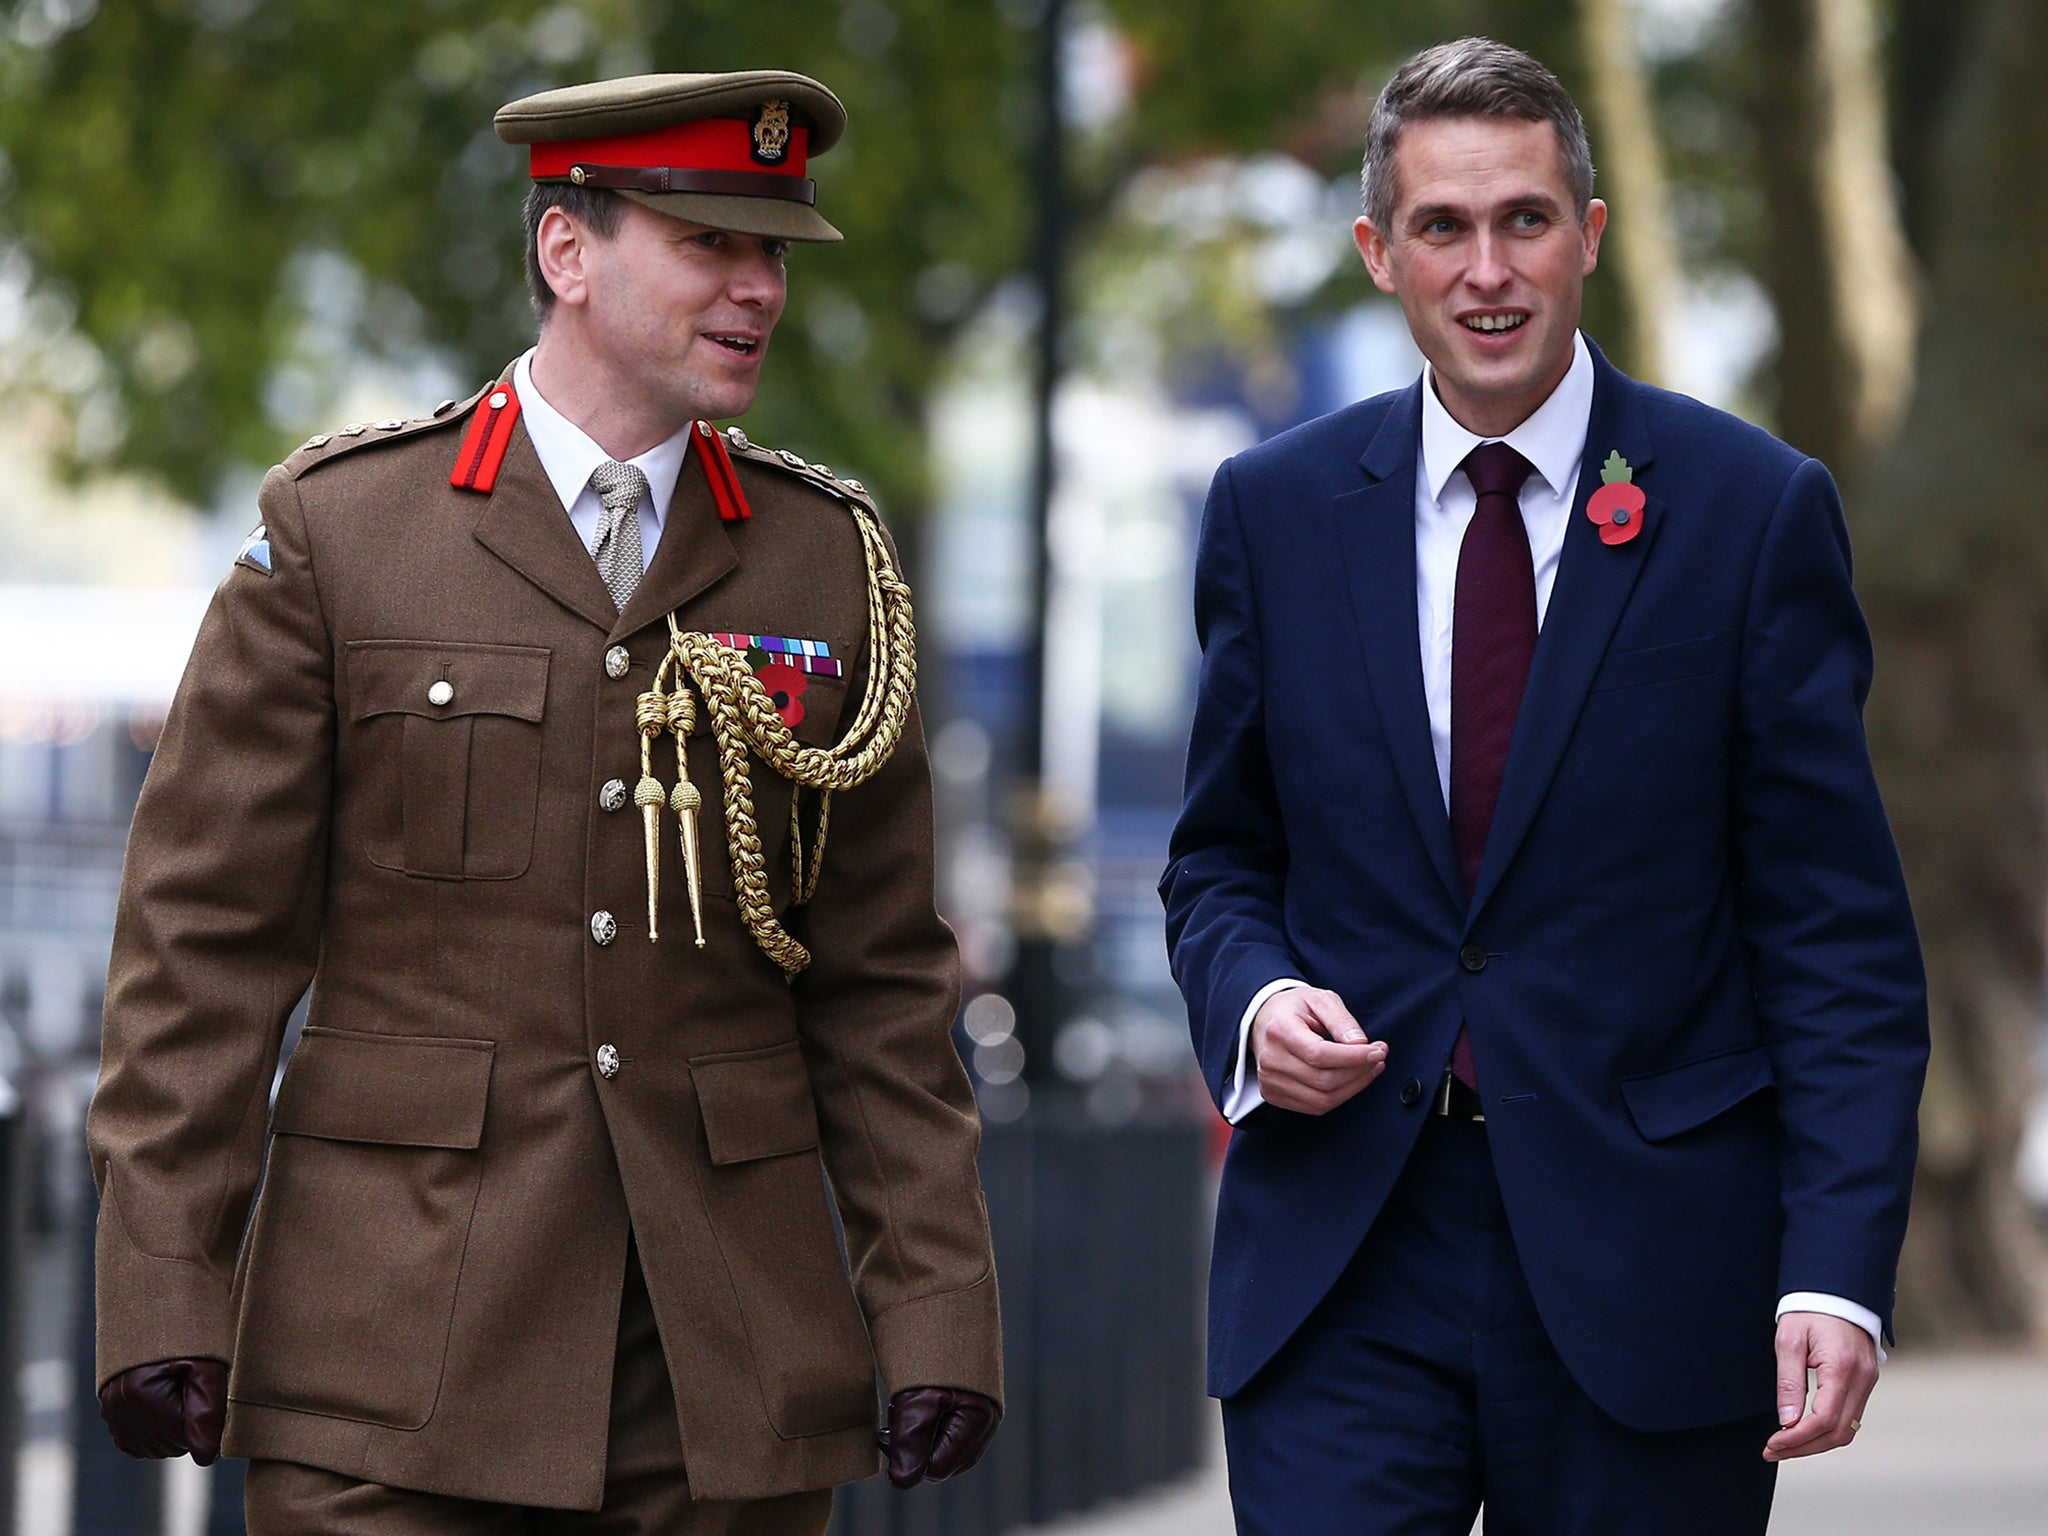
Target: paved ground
point(1951, 1447)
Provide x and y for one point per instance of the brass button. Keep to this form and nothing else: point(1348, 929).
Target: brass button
point(603, 926)
point(616, 661)
point(613, 796)
point(442, 692)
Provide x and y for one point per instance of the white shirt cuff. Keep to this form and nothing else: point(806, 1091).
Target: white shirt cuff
point(1836, 1306)
point(1243, 1095)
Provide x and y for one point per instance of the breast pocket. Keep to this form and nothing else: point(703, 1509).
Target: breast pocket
point(451, 755)
point(1658, 664)
point(354, 1258)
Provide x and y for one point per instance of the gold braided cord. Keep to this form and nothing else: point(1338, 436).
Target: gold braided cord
point(745, 723)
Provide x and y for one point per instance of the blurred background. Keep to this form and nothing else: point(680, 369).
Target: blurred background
point(1093, 246)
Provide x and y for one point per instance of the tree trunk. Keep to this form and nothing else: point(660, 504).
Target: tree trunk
point(1953, 545)
point(1632, 161)
point(1840, 271)
point(1874, 301)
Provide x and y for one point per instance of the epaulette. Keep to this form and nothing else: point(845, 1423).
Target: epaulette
point(795, 464)
point(326, 447)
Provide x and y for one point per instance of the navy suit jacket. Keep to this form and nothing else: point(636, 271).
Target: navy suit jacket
point(1689, 967)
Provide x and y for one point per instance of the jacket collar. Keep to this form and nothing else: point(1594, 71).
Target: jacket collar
point(1375, 533)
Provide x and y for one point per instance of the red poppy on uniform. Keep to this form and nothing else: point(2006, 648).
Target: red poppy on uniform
point(785, 685)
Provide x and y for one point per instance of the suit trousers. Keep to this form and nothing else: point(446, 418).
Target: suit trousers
point(647, 1492)
point(1424, 1386)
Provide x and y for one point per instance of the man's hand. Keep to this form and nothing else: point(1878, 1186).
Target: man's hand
point(935, 1432)
point(1844, 1362)
point(1310, 1051)
point(168, 1409)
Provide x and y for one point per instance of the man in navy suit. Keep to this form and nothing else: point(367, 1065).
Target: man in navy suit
point(1539, 922)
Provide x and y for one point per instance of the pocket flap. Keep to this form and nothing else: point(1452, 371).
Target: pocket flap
point(756, 1103)
point(403, 677)
point(400, 1090)
point(1658, 664)
point(1682, 1097)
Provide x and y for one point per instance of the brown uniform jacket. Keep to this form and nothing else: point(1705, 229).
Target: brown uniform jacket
point(429, 1289)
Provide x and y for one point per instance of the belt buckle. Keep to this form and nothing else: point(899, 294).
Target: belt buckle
point(1441, 1104)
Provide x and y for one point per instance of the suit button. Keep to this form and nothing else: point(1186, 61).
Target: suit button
point(1472, 957)
point(613, 796)
point(616, 661)
point(1411, 1091)
point(607, 1061)
point(442, 693)
point(603, 926)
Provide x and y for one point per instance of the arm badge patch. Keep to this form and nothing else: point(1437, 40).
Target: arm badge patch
point(255, 552)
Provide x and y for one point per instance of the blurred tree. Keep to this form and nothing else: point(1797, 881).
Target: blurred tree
point(1839, 268)
point(1299, 77)
point(1625, 124)
point(225, 198)
point(215, 205)
point(1953, 567)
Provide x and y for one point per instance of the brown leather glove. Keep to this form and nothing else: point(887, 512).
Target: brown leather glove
point(168, 1409)
point(936, 1432)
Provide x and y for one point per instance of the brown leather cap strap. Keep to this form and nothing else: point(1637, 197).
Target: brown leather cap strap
point(677, 178)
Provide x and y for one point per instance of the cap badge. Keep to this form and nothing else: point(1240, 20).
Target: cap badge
point(771, 132)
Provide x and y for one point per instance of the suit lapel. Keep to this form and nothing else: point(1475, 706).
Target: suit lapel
point(1593, 584)
point(695, 551)
point(1375, 532)
point(524, 525)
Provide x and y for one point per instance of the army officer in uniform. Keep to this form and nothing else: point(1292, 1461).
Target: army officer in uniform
point(566, 748)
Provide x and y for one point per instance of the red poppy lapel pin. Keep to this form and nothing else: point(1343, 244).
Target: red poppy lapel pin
point(1617, 507)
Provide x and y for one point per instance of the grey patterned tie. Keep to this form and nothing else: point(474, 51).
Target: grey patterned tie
point(619, 487)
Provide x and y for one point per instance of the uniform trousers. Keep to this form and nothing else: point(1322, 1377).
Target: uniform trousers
point(646, 1492)
point(1424, 1385)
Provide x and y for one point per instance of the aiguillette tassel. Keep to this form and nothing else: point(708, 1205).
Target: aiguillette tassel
point(648, 796)
point(686, 800)
point(651, 714)
point(682, 720)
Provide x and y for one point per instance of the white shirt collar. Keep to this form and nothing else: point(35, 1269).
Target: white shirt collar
point(1553, 438)
point(568, 454)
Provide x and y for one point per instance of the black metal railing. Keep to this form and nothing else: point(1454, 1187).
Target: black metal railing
point(1100, 1235)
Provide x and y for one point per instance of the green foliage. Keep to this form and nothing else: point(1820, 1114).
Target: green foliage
point(232, 200)
point(175, 164)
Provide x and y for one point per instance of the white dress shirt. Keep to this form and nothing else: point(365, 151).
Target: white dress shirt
point(1553, 440)
point(568, 455)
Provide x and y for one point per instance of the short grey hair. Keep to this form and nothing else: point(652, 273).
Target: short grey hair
point(598, 209)
point(1472, 77)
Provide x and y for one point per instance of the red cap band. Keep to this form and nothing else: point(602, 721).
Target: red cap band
point(709, 144)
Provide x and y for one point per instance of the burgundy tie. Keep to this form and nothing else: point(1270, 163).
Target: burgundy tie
point(1493, 637)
